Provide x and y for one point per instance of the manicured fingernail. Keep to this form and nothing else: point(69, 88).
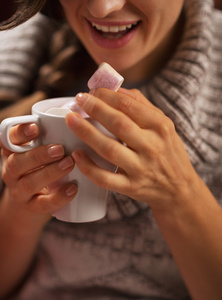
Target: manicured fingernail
point(81, 98)
point(56, 151)
point(30, 130)
point(71, 190)
point(66, 163)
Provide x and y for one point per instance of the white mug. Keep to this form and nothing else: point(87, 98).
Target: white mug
point(90, 202)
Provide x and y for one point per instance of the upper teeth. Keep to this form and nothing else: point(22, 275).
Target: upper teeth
point(112, 28)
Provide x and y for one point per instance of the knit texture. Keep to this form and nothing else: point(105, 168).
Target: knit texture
point(124, 255)
point(21, 51)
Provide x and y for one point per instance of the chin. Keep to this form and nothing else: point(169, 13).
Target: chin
point(119, 64)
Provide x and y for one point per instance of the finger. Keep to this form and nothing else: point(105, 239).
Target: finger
point(19, 164)
point(113, 120)
point(132, 103)
point(48, 204)
point(103, 178)
point(138, 96)
point(23, 133)
point(34, 182)
point(105, 146)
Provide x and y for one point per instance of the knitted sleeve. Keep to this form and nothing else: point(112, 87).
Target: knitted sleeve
point(21, 51)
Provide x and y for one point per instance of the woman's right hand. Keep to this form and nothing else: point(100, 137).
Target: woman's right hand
point(28, 174)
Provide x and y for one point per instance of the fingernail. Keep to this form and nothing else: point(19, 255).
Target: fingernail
point(81, 98)
point(30, 130)
point(55, 151)
point(66, 163)
point(71, 190)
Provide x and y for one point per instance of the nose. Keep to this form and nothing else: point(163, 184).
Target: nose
point(103, 8)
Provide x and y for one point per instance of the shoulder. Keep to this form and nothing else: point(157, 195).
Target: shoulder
point(215, 53)
point(217, 14)
point(21, 50)
point(216, 26)
point(31, 29)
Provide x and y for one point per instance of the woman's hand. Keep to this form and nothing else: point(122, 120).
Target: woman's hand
point(28, 174)
point(26, 205)
point(154, 166)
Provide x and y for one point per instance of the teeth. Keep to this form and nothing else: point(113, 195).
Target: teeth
point(113, 29)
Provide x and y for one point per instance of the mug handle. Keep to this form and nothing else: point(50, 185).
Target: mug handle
point(6, 126)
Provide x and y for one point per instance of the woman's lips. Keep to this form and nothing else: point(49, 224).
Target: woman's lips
point(111, 35)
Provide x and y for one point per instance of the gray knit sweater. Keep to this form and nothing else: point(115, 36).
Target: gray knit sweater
point(124, 255)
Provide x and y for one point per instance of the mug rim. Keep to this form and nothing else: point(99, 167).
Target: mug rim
point(58, 102)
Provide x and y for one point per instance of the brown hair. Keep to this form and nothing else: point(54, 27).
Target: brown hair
point(22, 10)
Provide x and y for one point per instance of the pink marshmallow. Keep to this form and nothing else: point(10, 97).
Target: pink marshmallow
point(105, 77)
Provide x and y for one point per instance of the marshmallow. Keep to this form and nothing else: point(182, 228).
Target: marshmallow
point(58, 111)
point(70, 106)
point(105, 77)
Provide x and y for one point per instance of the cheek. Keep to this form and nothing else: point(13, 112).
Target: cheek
point(162, 15)
point(173, 10)
point(170, 15)
point(65, 3)
point(70, 7)
point(71, 10)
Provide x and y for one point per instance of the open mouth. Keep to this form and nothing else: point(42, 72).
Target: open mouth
point(113, 36)
point(114, 32)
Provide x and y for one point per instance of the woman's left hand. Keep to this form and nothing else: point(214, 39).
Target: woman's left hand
point(154, 166)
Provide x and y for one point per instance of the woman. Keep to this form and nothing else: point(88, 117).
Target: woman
point(161, 238)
